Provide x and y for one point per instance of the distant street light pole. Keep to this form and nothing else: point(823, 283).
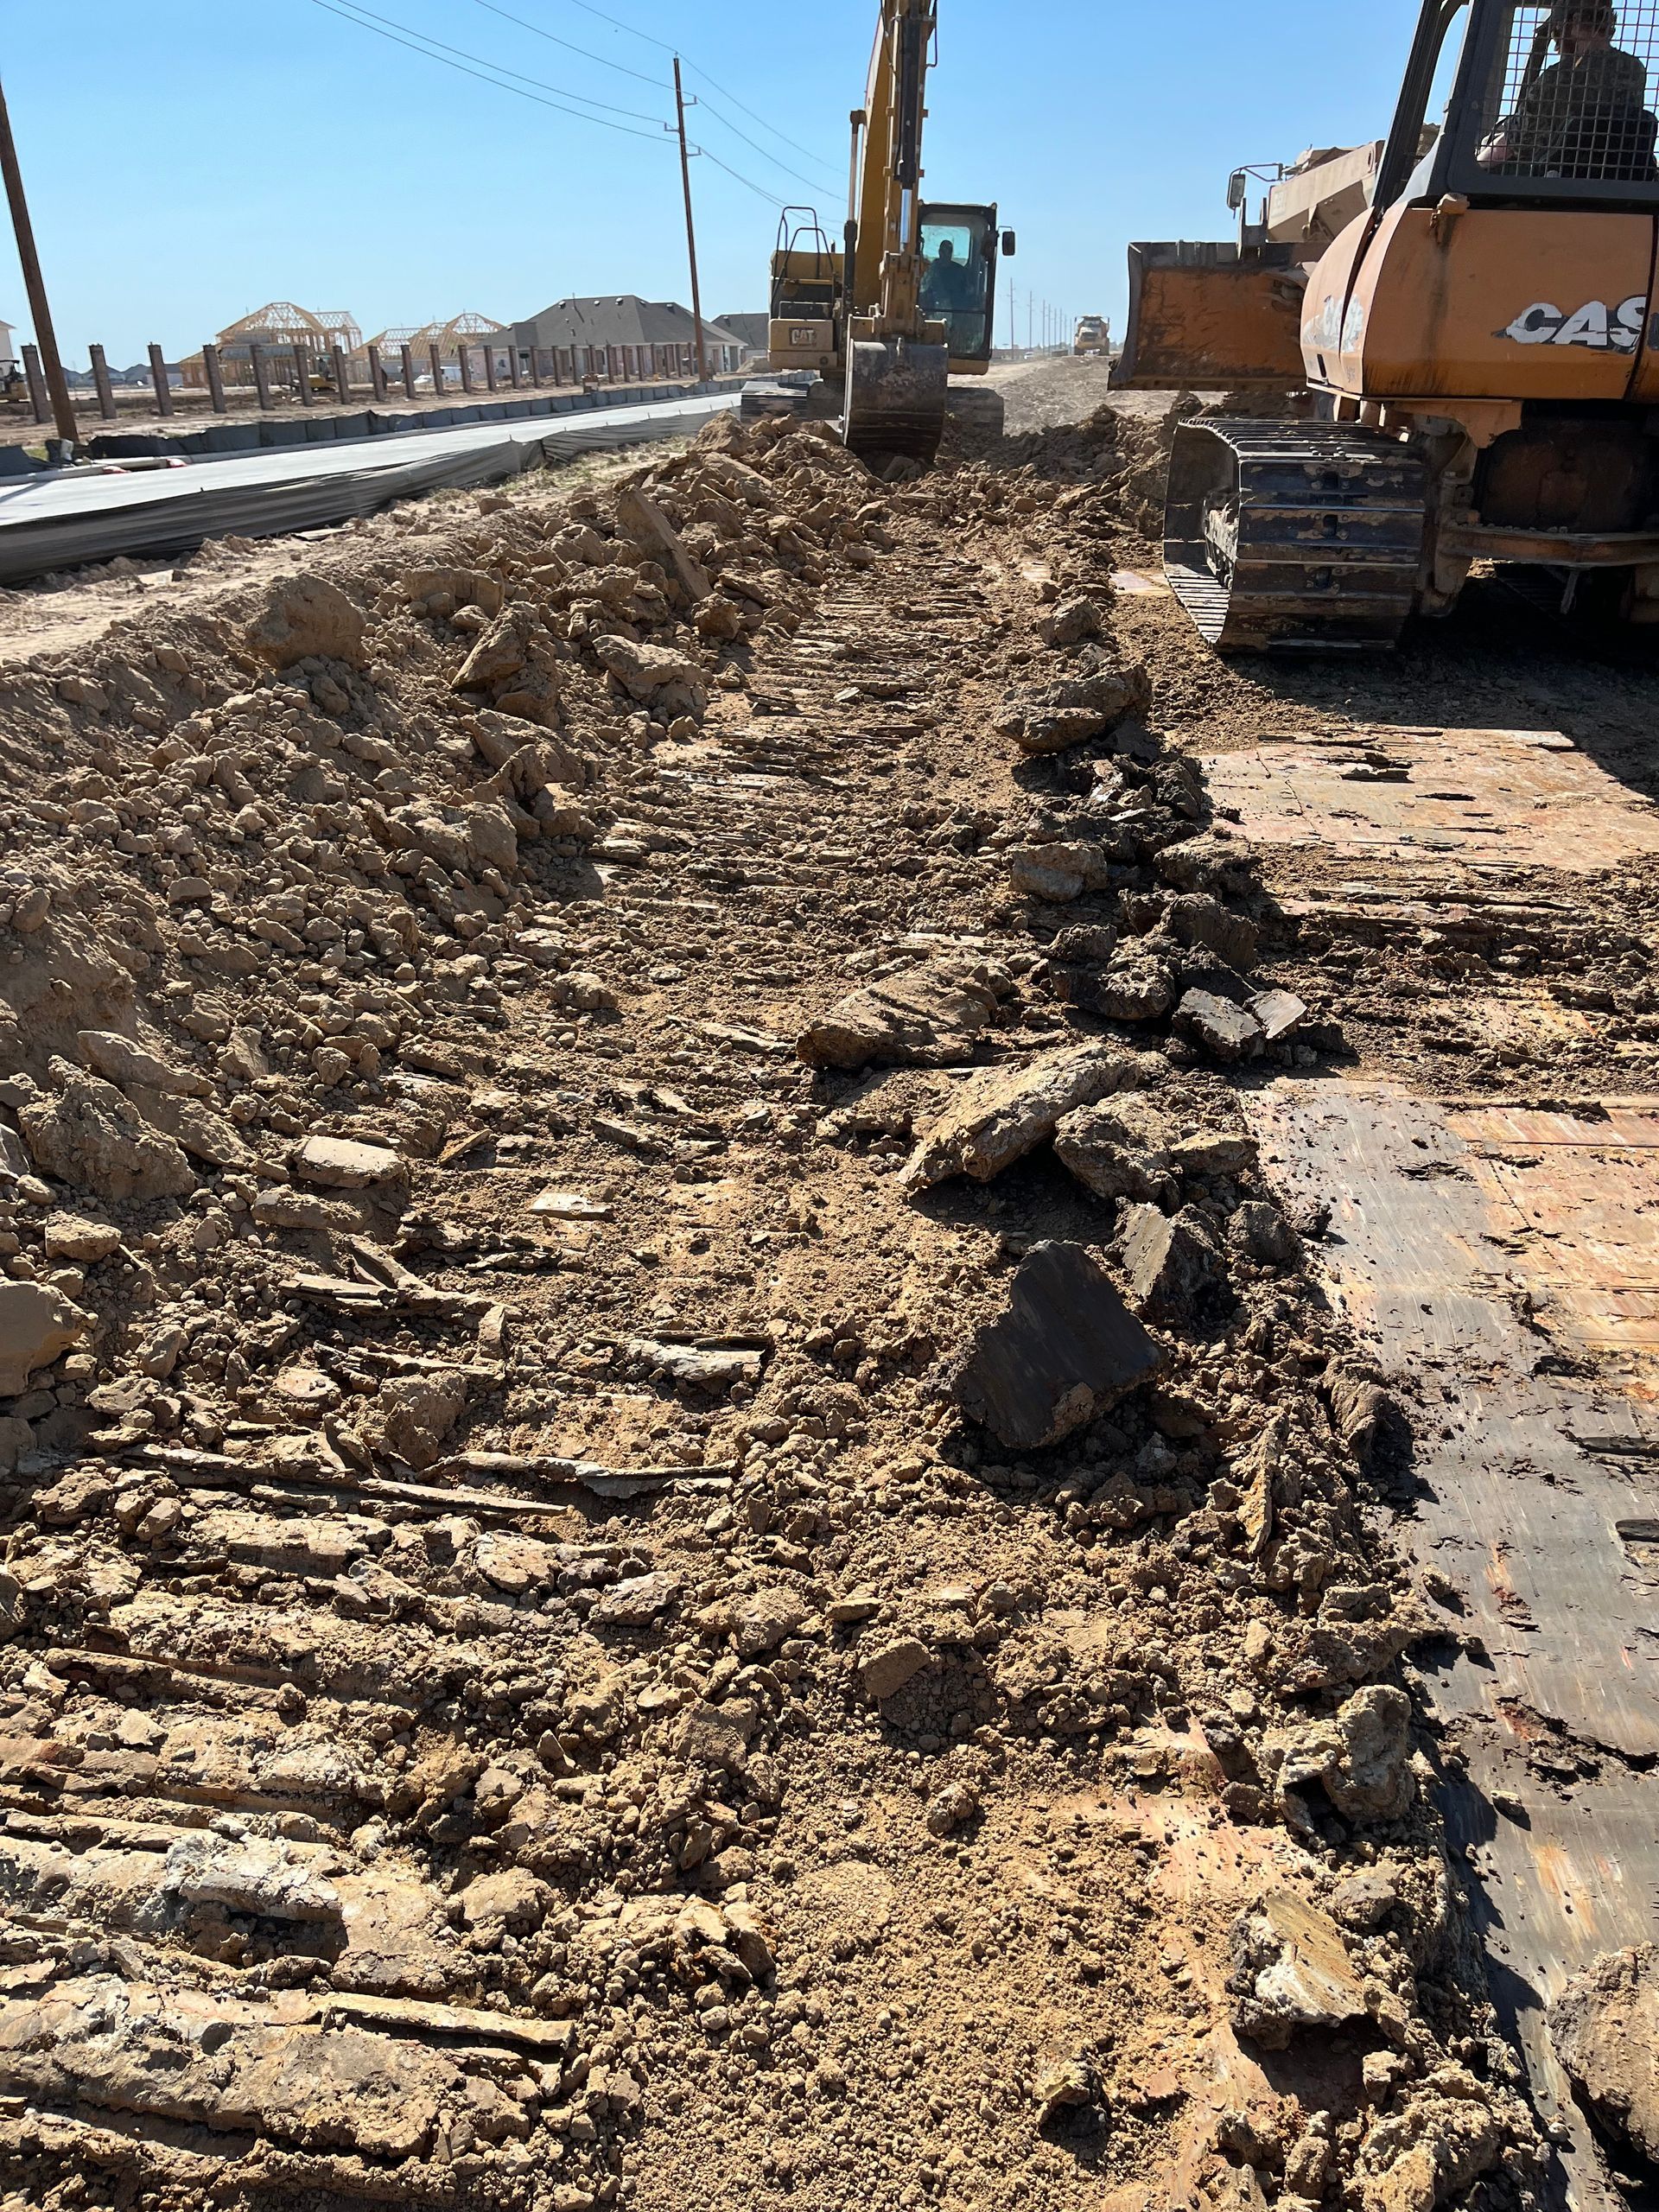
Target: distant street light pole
point(690, 226)
point(63, 407)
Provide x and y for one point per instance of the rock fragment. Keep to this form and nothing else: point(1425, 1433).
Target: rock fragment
point(109, 1054)
point(640, 519)
point(638, 1601)
point(1226, 1032)
point(1069, 622)
point(1136, 986)
point(668, 681)
point(696, 1367)
point(1291, 1973)
point(86, 1134)
point(512, 1897)
point(1605, 2026)
point(1065, 2088)
point(884, 1672)
point(955, 1804)
point(1001, 1114)
point(1065, 1350)
point(37, 1325)
point(1360, 1758)
point(1265, 1235)
point(1079, 708)
point(307, 617)
point(250, 1874)
point(71, 1236)
point(1280, 1014)
point(1058, 873)
point(1433, 2145)
point(413, 1416)
point(1119, 1149)
point(343, 1164)
point(922, 1018)
point(1173, 1262)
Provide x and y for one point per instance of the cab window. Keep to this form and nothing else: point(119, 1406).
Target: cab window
point(1567, 97)
point(956, 280)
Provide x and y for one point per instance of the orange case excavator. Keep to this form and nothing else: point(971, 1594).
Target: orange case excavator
point(1461, 323)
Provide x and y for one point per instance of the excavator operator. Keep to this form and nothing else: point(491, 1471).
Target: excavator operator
point(948, 286)
point(1584, 115)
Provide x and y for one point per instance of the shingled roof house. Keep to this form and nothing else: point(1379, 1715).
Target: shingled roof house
point(626, 321)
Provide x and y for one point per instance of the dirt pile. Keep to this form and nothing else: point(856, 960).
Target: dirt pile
point(1116, 459)
point(567, 1641)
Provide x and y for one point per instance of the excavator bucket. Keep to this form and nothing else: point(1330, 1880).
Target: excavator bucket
point(897, 391)
point(1205, 318)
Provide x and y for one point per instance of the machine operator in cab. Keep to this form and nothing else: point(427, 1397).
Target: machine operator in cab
point(949, 286)
point(1584, 116)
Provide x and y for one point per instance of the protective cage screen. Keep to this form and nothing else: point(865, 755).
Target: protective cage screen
point(1572, 94)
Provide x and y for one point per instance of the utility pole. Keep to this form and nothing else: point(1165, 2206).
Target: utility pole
point(63, 408)
point(690, 226)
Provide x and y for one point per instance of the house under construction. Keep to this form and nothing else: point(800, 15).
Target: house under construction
point(276, 328)
point(473, 333)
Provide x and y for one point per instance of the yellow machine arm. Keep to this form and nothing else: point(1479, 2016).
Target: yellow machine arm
point(885, 246)
point(898, 361)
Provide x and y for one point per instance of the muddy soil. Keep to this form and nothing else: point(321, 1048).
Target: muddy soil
point(570, 1637)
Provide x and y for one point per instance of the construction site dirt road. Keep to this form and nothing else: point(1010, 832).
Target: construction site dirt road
point(824, 1378)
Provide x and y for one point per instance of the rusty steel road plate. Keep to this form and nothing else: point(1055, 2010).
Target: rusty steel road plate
point(1503, 1262)
point(1443, 800)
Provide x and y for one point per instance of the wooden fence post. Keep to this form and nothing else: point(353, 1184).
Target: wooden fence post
point(302, 370)
point(377, 372)
point(435, 355)
point(101, 378)
point(489, 363)
point(32, 369)
point(261, 368)
point(215, 376)
point(464, 356)
point(158, 378)
point(406, 362)
point(342, 376)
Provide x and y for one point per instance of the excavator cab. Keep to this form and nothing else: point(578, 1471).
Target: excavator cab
point(959, 251)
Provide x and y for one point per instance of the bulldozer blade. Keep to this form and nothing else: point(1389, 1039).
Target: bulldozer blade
point(896, 396)
point(1202, 318)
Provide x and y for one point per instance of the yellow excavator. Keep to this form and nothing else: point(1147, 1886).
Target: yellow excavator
point(908, 299)
point(1459, 324)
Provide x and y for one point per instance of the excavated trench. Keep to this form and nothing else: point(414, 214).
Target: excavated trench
point(822, 1374)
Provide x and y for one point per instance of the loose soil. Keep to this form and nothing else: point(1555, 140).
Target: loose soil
point(524, 1681)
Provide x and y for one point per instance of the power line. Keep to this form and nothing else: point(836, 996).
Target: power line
point(627, 130)
point(666, 46)
point(640, 77)
point(758, 189)
point(393, 34)
point(617, 23)
point(753, 117)
point(586, 52)
point(500, 67)
point(708, 107)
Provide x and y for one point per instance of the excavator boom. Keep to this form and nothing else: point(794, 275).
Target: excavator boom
point(898, 363)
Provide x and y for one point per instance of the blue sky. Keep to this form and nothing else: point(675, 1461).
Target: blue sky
point(188, 160)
